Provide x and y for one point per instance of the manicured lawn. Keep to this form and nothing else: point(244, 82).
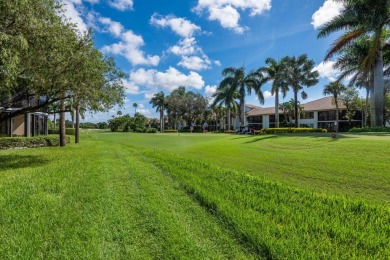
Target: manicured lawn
point(197, 196)
point(352, 165)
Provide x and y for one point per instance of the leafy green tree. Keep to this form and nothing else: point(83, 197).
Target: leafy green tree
point(349, 98)
point(357, 19)
point(225, 97)
point(297, 73)
point(335, 89)
point(273, 72)
point(243, 84)
point(158, 101)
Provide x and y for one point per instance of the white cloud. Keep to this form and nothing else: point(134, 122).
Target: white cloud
point(326, 13)
point(121, 5)
point(149, 95)
point(168, 80)
point(267, 94)
point(228, 18)
point(104, 24)
point(210, 90)
point(129, 48)
point(217, 62)
point(185, 46)
point(73, 15)
point(130, 88)
point(180, 26)
point(327, 71)
point(226, 11)
point(195, 62)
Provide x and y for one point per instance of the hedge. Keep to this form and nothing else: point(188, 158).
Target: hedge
point(30, 142)
point(284, 130)
point(171, 131)
point(370, 129)
point(68, 131)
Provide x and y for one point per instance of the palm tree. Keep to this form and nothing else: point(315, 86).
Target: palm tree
point(158, 101)
point(357, 19)
point(272, 72)
point(298, 73)
point(224, 96)
point(244, 84)
point(335, 89)
point(135, 105)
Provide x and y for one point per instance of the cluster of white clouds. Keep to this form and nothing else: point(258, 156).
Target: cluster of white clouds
point(168, 80)
point(192, 55)
point(326, 13)
point(327, 70)
point(226, 11)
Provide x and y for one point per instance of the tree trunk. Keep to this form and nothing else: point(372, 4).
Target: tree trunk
point(242, 113)
point(277, 108)
point(337, 114)
point(62, 123)
point(366, 107)
point(372, 101)
point(77, 130)
point(161, 121)
point(379, 90)
point(228, 117)
point(54, 120)
point(296, 108)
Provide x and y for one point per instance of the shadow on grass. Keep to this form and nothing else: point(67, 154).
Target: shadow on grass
point(258, 139)
point(20, 161)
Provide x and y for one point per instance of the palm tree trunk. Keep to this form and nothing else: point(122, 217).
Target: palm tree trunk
point(296, 108)
point(366, 107)
point(77, 130)
point(242, 113)
point(228, 117)
point(161, 121)
point(54, 119)
point(379, 90)
point(337, 115)
point(372, 101)
point(277, 108)
point(62, 123)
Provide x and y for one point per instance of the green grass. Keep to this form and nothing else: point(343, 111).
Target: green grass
point(352, 165)
point(197, 196)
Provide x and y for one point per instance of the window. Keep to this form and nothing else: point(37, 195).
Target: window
point(327, 115)
point(307, 115)
point(255, 120)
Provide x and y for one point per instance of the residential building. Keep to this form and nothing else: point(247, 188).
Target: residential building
point(320, 113)
point(27, 124)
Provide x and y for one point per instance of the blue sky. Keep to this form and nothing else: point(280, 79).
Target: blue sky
point(163, 44)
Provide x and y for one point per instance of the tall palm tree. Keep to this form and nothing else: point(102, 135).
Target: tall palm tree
point(158, 101)
point(335, 89)
point(357, 19)
point(273, 72)
point(299, 72)
point(224, 96)
point(244, 84)
point(135, 105)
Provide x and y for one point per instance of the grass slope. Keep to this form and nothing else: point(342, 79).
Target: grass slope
point(352, 165)
point(101, 201)
point(128, 197)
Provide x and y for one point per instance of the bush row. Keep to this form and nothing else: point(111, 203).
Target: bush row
point(146, 130)
point(68, 131)
point(171, 131)
point(284, 130)
point(370, 129)
point(30, 142)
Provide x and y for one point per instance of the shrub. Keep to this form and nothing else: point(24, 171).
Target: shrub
point(284, 130)
point(151, 130)
point(30, 142)
point(139, 130)
point(68, 131)
point(370, 129)
point(171, 131)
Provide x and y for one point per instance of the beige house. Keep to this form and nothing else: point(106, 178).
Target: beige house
point(320, 113)
point(28, 124)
